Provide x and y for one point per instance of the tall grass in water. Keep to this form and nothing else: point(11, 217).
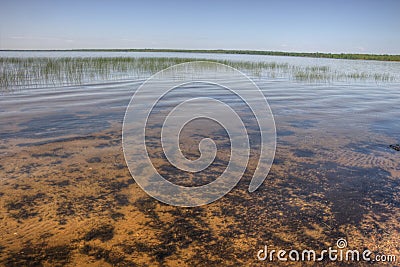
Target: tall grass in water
point(44, 71)
point(36, 72)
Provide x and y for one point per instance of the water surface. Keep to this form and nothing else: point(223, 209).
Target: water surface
point(67, 198)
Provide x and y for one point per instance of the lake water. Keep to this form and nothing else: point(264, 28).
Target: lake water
point(67, 198)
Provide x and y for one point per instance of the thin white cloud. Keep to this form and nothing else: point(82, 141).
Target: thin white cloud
point(40, 38)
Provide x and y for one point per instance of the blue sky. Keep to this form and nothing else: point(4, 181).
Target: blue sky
point(325, 26)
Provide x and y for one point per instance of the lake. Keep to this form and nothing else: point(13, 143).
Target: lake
point(67, 197)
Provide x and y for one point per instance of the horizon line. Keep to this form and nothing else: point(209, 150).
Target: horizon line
point(360, 56)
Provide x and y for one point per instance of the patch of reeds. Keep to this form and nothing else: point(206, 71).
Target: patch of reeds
point(38, 71)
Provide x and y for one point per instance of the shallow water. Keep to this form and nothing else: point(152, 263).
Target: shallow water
point(66, 196)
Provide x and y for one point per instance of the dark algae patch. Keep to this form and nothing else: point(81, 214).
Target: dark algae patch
point(94, 160)
point(40, 256)
point(117, 216)
point(395, 147)
point(351, 194)
point(103, 233)
point(65, 209)
point(114, 258)
point(24, 207)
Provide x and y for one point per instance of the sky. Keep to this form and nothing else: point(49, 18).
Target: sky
point(336, 26)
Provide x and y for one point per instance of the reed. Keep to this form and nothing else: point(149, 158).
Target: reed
point(39, 72)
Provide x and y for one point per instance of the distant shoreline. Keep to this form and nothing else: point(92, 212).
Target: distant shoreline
point(381, 57)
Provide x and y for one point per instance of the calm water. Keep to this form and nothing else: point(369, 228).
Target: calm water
point(334, 174)
point(358, 106)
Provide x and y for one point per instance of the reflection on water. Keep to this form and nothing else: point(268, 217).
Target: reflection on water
point(66, 196)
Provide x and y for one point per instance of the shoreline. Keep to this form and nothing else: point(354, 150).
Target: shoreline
point(352, 56)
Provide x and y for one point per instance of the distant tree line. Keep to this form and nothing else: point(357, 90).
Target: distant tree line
point(384, 57)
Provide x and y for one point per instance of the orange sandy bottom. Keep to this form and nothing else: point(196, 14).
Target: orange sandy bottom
point(72, 202)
